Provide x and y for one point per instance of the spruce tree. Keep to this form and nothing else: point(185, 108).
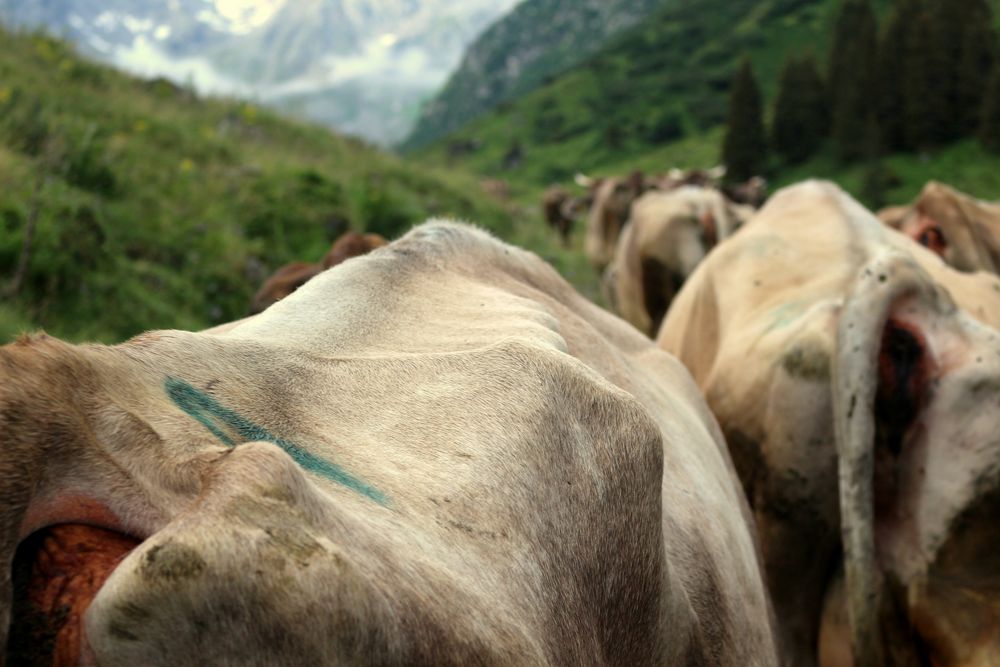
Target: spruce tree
point(890, 73)
point(744, 149)
point(977, 59)
point(786, 124)
point(989, 128)
point(874, 182)
point(923, 104)
point(816, 98)
point(948, 22)
point(800, 115)
point(852, 77)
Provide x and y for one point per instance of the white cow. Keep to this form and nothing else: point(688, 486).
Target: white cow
point(830, 346)
point(438, 453)
point(667, 235)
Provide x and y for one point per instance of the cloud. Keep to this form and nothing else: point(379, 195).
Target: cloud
point(147, 59)
point(378, 62)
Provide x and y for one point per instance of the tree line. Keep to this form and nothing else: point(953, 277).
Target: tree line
point(930, 77)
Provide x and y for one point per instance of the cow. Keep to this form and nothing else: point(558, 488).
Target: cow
point(609, 210)
point(497, 188)
point(676, 178)
point(561, 208)
point(292, 276)
point(893, 215)
point(612, 200)
point(830, 346)
point(283, 282)
point(666, 237)
point(351, 244)
point(963, 230)
point(438, 453)
point(752, 192)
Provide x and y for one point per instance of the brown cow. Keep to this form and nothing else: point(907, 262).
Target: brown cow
point(292, 276)
point(963, 230)
point(829, 345)
point(560, 209)
point(436, 454)
point(612, 203)
point(351, 244)
point(283, 282)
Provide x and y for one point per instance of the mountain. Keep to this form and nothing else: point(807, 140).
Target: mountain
point(662, 81)
point(655, 96)
point(362, 66)
point(538, 39)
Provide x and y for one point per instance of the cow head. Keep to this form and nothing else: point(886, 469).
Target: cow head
point(917, 418)
point(961, 229)
point(610, 210)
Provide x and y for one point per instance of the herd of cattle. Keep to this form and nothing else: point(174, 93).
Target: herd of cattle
point(439, 453)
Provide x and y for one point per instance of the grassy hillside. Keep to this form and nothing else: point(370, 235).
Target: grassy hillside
point(656, 97)
point(157, 209)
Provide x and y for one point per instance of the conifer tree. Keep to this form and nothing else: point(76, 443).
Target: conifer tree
point(978, 56)
point(801, 113)
point(852, 77)
point(874, 181)
point(890, 72)
point(744, 149)
point(923, 103)
point(989, 128)
point(816, 97)
point(946, 32)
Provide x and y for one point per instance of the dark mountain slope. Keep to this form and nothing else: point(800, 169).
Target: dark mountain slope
point(538, 39)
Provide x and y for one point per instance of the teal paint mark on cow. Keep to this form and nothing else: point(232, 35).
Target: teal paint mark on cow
point(214, 416)
point(784, 315)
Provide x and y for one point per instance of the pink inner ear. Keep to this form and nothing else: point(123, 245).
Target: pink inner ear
point(929, 234)
point(904, 373)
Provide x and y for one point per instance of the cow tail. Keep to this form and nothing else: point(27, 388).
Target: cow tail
point(880, 284)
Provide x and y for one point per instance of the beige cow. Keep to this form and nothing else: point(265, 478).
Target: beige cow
point(436, 454)
point(963, 230)
point(610, 206)
point(667, 236)
point(830, 345)
point(612, 200)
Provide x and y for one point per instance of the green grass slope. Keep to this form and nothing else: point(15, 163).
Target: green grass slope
point(154, 208)
point(656, 96)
